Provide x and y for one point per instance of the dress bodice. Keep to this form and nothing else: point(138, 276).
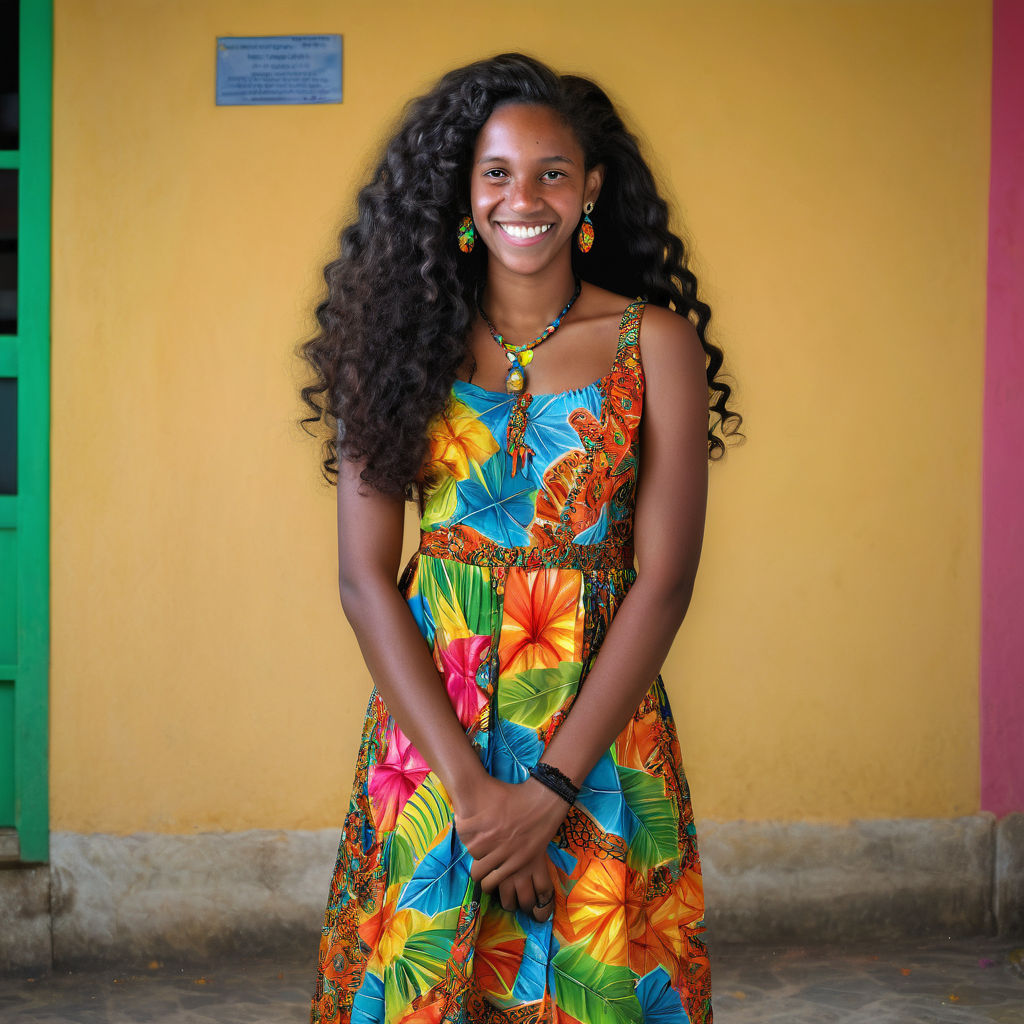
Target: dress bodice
point(539, 479)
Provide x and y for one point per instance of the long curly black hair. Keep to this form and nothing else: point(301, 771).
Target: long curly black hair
point(401, 297)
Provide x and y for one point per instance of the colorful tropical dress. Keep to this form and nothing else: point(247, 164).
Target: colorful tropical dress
point(525, 555)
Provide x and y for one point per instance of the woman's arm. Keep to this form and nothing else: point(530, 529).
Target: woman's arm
point(370, 531)
point(669, 531)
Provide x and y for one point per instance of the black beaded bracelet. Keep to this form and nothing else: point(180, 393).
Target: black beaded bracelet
point(548, 775)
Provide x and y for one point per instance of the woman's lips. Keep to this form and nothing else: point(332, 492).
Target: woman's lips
point(517, 234)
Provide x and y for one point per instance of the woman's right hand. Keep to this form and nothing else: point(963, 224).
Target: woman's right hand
point(507, 827)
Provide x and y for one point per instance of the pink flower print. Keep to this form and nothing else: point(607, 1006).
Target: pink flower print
point(394, 778)
point(460, 661)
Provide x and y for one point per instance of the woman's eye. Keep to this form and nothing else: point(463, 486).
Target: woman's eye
point(553, 175)
point(495, 172)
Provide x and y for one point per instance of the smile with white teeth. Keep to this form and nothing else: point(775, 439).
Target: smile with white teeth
point(521, 231)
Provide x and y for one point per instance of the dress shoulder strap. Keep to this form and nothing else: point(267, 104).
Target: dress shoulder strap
point(628, 350)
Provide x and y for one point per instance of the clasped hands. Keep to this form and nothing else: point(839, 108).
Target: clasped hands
point(507, 827)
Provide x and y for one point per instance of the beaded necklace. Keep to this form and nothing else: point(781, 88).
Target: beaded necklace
point(520, 356)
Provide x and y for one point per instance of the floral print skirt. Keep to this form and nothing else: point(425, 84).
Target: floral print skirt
point(407, 935)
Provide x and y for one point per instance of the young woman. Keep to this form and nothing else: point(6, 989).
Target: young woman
point(520, 842)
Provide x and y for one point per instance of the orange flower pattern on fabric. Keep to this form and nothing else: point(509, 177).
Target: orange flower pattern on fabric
point(637, 744)
point(370, 929)
point(596, 906)
point(542, 626)
point(498, 957)
point(521, 568)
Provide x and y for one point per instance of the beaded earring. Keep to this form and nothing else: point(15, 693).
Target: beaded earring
point(585, 237)
point(467, 234)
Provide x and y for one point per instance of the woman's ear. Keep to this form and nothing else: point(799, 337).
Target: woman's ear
point(595, 179)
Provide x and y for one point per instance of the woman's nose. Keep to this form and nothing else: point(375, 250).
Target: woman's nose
point(524, 196)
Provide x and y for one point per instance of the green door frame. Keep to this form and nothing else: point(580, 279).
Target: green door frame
point(26, 356)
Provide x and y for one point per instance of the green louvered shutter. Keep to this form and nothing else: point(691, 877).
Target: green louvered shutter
point(26, 65)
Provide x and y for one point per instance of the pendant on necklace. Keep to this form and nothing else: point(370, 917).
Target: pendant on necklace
point(520, 356)
point(515, 379)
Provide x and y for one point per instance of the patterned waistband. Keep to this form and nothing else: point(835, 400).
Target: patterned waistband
point(461, 546)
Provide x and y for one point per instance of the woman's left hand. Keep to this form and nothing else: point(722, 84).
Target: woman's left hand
point(509, 830)
point(531, 889)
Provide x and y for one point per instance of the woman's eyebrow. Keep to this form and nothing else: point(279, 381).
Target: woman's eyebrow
point(496, 159)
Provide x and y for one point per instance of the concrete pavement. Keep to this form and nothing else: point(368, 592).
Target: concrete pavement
point(953, 982)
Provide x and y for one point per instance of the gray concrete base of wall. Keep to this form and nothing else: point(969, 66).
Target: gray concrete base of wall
point(197, 898)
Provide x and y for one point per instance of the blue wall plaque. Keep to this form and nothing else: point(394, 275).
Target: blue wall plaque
point(263, 70)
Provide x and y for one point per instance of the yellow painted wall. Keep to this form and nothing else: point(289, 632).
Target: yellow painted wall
point(830, 161)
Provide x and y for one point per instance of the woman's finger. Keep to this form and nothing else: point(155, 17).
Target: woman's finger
point(492, 870)
point(526, 895)
point(544, 906)
point(484, 866)
point(507, 893)
point(500, 864)
point(493, 879)
point(544, 913)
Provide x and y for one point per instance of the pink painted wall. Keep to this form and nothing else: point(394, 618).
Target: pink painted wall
point(1002, 606)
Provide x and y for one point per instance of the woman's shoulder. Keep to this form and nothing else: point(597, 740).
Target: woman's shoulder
point(600, 302)
point(666, 337)
point(670, 347)
point(664, 327)
point(661, 326)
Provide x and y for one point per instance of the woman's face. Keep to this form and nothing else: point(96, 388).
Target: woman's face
point(528, 186)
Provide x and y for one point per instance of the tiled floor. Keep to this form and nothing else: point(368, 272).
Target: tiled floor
point(964, 981)
point(980, 980)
